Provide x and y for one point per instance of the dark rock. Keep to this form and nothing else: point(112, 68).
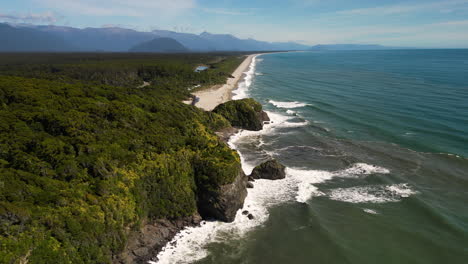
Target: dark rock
point(250, 178)
point(270, 170)
point(245, 212)
point(222, 204)
point(196, 219)
point(144, 244)
point(226, 133)
point(249, 185)
point(264, 117)
point(141, 252)
point(250, 216)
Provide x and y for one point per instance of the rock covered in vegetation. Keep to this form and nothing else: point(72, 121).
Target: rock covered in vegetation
point(245, 113)
point(270, 170)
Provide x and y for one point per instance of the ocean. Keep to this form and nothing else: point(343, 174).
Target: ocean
point(376, 149)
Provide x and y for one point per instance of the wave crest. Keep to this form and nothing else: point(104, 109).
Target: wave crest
point(288, 105)
point(372, 194)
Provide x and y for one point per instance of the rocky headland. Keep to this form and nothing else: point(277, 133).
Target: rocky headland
point(219, 202)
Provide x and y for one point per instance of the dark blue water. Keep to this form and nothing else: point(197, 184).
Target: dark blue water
point(415, 98)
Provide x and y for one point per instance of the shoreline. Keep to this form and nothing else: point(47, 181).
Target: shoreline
point(209, 98)
point(298, 187)
point(155, 237)
point(182, 240)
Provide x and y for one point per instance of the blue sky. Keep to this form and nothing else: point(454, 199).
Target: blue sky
point(414, 23)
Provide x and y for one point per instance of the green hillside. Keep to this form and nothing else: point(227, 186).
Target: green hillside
point(86, 155)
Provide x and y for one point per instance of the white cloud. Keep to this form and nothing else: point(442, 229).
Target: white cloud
point(45, 17)
point(134, 8)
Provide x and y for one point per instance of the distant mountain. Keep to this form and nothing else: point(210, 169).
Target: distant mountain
point(115, 39)
point(192, 41)
point(21, 39)
point(225, 42)
point(164, 45)
point(350, 47)
point(112, 39)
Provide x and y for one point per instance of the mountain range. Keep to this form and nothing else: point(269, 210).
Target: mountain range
point(161, 45)
point(27, 37)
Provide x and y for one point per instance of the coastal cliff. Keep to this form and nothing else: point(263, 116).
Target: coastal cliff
point(223, 203)
point(214, 201)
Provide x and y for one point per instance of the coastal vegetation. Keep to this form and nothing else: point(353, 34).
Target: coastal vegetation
point(87, 154)
point(245, 113)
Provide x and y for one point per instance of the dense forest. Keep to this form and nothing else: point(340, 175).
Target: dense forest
point(87, 152)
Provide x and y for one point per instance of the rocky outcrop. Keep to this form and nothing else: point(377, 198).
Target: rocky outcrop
point(143, 245)
point(264, 117)
point(271, 170)
point(223, 203)
point(216, 202)
point(244, 114)
point(226, 133)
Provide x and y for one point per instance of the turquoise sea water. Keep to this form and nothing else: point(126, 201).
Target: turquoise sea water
point(376, 148)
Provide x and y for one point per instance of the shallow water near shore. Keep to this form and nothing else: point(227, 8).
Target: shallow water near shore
point(376, 147)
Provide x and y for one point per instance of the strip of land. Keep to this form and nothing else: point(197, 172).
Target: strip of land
point(208, 99)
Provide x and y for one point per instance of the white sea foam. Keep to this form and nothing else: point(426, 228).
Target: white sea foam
point(359, 169)
point(304, 180)
point(277, 121)
point(287, 104)
point(290, 112)
point(191, 241)
point(402, 190)
point(243, 87)
point(299, 185)
point(372, 194)
point(370, 211)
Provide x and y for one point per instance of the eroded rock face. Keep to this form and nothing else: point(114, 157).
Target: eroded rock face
point(270, 170)
point(264, 116)
point(144, 245)
point(223, 203)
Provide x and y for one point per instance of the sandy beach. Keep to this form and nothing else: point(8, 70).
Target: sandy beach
point(208, 99)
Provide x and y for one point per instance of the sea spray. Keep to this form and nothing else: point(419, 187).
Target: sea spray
point(242, 89)
point(287, 105)
point(298, 186)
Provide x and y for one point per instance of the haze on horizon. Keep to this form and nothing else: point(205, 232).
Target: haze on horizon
point(416, 23)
